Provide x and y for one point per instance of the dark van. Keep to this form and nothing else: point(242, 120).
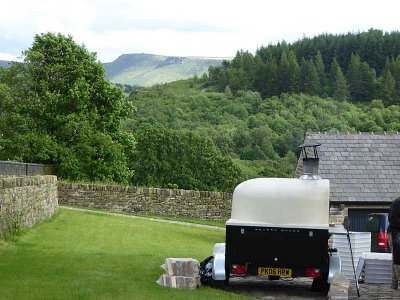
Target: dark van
point(377, 224)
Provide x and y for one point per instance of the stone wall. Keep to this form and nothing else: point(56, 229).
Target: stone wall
point(25, 169)
point(25, 201)
point(153, 201)
point(337, 212)
point(162, 202)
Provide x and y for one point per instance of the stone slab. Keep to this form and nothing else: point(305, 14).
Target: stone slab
point(179, 282)
point(339, 289)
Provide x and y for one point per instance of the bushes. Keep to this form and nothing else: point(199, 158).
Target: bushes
point(183, 159)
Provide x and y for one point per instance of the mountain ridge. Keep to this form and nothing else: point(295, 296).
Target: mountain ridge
point(5, 63)
point(143, 69)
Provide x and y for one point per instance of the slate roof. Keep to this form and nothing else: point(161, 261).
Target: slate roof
point(361, 167)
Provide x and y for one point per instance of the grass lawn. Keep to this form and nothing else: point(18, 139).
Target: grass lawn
point(149, 216)
point(78, 255)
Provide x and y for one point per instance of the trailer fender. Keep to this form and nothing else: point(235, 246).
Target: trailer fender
point(335, 264)
point(218, 270)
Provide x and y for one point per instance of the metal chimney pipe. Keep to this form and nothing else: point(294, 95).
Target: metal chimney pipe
point(310, 164)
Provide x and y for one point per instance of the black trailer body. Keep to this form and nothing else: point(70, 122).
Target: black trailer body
point(276, 251)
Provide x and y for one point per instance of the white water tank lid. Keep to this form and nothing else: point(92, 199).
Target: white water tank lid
point(281, 202)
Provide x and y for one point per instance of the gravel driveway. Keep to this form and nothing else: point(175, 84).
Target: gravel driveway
point(300, 288)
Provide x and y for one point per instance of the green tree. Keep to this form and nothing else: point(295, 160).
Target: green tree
point(393, 65)
point(272, 80)
point(185, 159)
point(260, 76)
point(361, 79)
point(368, 79)
point(284, 74)
point(340, 87)
point(320, 67)
point(74, 113)
point(309, 80)
point(387, 87)
point(354, 77)
point(294, 74)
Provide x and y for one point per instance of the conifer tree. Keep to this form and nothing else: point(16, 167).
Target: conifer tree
point(387, 87)
point(272, 80)
point(368, 82)
point(260, 76)
point(294, 74)
point(319, 65)
point(284, 74)
point(393, 65)
point(340, 88)
point(332, 75)
point(354, 77)
point(309, 80)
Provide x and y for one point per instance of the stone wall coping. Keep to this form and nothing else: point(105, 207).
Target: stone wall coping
point(8, 182)
point(145, 190)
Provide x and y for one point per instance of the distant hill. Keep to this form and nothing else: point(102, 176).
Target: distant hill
point(148, 69)
point(5, 63)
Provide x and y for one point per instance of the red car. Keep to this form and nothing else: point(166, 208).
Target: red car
point(378, 224)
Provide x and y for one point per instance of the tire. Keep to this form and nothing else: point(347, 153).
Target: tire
point(218, 284)
point(321, 284)
point(227, 274)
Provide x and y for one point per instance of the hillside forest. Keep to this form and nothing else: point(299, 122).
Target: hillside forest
point(357, 67)
point(240, 121)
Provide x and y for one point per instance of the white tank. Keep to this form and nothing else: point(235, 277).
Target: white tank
point(281, 202)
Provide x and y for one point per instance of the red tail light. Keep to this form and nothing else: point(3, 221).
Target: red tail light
point(238, 270)
point(314, 273)
point(382, 240)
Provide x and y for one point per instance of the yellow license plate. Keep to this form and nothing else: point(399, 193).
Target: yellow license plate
point(275, 272)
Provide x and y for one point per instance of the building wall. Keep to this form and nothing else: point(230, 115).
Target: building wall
point(25, 201)
point(153, 201)
point(358, 213)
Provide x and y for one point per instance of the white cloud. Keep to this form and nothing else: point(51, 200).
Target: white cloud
point(184, 27)
point(10, 57)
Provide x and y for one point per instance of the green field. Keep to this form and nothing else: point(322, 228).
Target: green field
point(83, 255)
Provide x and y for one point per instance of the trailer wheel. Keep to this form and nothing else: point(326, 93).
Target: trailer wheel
point(321, 284)
point(227, 272)
point(219, 284)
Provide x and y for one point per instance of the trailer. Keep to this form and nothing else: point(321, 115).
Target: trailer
point(279, 227)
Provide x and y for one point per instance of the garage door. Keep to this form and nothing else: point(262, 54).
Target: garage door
point(358, 217)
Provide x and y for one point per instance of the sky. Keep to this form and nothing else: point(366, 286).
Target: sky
point(208, 28)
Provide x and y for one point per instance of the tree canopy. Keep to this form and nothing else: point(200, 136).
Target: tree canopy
point(304, 67)
point(182, 159)
point(57, 107)
point(260, 134)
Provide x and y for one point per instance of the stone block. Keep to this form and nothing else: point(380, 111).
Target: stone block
point(179, 282)
point(339, 289)
point(186, 267)
point(181, 273)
